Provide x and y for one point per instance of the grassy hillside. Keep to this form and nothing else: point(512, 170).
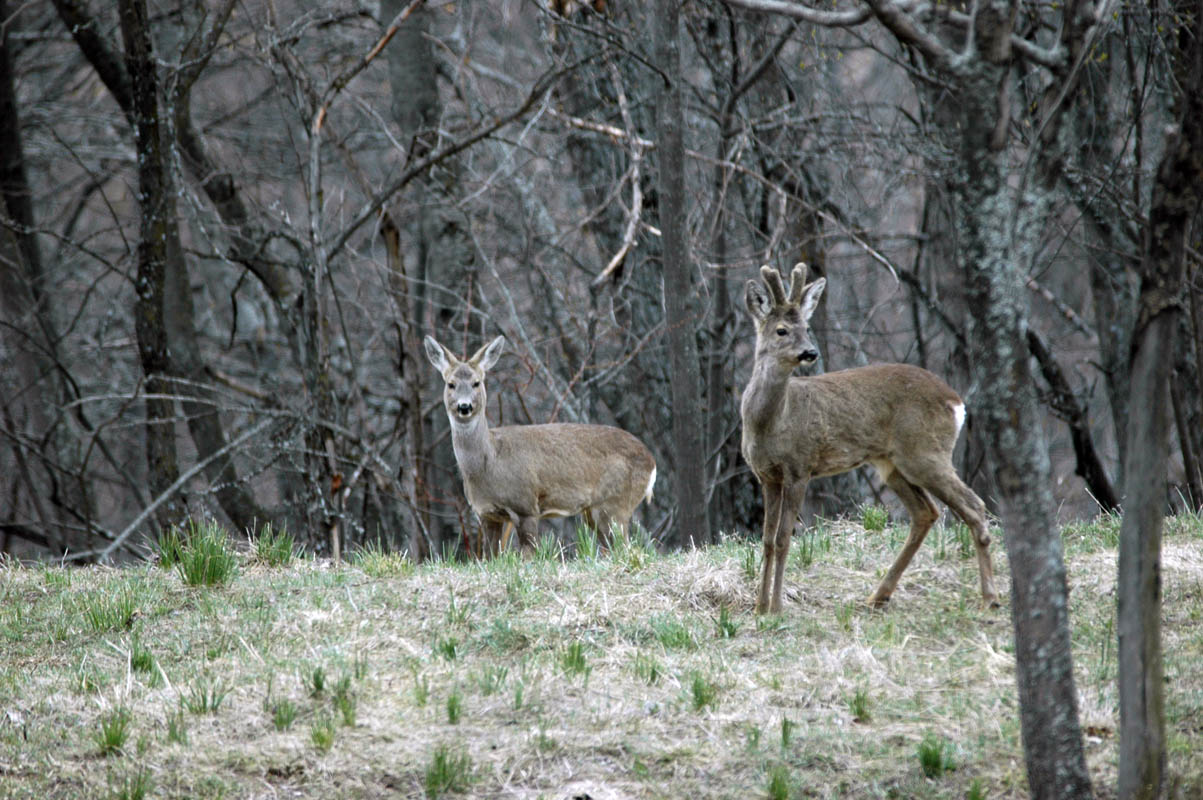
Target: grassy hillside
point(630, 675)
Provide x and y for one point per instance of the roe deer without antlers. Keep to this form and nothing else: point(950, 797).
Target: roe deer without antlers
point(522, 473)
point(900, 418)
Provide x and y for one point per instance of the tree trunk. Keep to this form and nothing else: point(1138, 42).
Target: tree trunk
point(1176, 196)
point(679, 301)
point(1001, 232)
point(157, 219)
point(24, 368)
point(439, 255)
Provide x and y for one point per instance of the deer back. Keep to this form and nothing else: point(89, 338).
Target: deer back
point(835, 422)
point(562, 469)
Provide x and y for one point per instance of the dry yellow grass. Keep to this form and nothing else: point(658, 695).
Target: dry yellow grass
point(603, 679)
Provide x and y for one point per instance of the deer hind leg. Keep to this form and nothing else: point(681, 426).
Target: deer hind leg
point(972, 511)
point(773, 494)
point(923, 513)
point(609, 525)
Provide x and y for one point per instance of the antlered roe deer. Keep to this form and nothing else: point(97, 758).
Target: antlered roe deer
point(898, 417)
point(520, 474)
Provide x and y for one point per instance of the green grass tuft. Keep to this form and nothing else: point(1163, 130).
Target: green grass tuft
point(455, 706)
point(672, 633)
point(110, 610)
point(447, 647)
point(207, 557)
point(702, 691)
point(322, 733)
point(274, 547)
point(935, 756)
point(858, 705)
point(205, 695)
point(779, 783)
point(316, 682)
point(725, 627)
point(449, 771)
point(492, 679)
point(284, 714)
point(136, 785)
point(177, 728)
point(648, 669)
point(113, 732)
point(588, 547)
point(874, 518)
point(169, 547)
point(377, 562)
point(573, 660)
point(548, 549)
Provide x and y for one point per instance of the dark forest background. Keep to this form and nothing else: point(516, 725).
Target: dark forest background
point(217, 270)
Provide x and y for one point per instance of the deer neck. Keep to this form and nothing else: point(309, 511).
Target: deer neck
point(765, 395)
point(473, 445)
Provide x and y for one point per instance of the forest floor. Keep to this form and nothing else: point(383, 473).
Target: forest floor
point(624, 675)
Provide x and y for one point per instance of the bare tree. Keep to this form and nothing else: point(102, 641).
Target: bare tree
point(680, 315)
point(1175, 202)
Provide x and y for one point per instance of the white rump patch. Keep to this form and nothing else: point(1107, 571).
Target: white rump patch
point(651, 483)
point(958, 412)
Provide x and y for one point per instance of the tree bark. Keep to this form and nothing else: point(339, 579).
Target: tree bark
point(157, 222)
point(1001, 232)
point(681, 317)
point(24, 368)
point(1176, 196)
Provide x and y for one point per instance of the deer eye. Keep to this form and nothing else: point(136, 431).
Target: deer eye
point(475, 384)
point(782, 331)
point(451, 385)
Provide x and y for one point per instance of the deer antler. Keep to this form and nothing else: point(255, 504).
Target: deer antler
point(772, 280)
point(797, 283)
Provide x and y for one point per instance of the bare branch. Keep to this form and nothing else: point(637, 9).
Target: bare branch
point(831, 19)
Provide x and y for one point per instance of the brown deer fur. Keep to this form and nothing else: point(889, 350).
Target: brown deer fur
point(900, 418)
point(520, 474)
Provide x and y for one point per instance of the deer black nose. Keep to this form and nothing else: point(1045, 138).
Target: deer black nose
point(464, 409)
point(808, 356)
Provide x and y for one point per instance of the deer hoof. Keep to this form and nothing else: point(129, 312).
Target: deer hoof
point(878, 602)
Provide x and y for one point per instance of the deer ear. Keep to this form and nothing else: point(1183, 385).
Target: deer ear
point(757, 300)
point(436, 353)
point(487, 356)
point(810, 297)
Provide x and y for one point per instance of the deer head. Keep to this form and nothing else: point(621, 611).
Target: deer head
point(464, 394)
point(782, 329)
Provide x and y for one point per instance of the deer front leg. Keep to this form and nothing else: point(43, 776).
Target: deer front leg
point(773, 495)
point(793, 493)
point(528, 532)
point(491, 530)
